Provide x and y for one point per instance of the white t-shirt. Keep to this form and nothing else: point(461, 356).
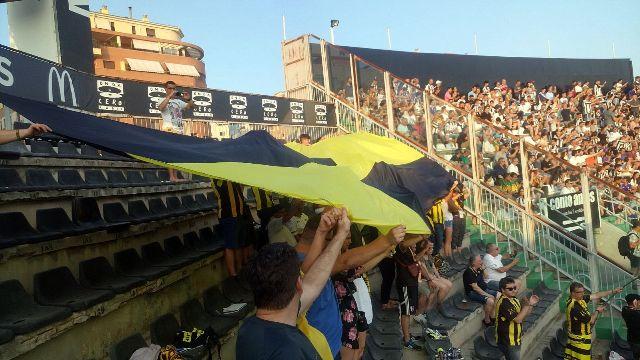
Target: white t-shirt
point(491, 264)
point(172, 116)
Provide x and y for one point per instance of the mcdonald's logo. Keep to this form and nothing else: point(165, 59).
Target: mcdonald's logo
point(61, 79)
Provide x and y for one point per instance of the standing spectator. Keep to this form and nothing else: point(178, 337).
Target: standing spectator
point(459, 222)
point(509, 317)
point(476, 288)
point(305, 139)
point(631, 316)
point(230, 209)
point(634, 243)
point(494, 269)
point(282, 296)
point(435, 215)
point(407, 269)
point(7, 136)
point(580, 321)
point(171, 109)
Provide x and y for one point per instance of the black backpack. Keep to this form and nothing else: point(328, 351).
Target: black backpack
point(196, 343)
point(623, 246)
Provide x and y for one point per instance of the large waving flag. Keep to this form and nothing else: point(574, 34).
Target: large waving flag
point(386, 164)
point(255, 159)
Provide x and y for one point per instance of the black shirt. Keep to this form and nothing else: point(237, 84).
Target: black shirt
point(471, 276)
point(230, 199)
point(260, 339)
point(404, 257)
point(632, 318)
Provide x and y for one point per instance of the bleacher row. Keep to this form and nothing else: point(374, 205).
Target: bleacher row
point(194, 313)
point(57, 293)
point(106, 229)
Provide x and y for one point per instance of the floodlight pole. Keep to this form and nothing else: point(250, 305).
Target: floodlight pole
point(331, 35)
point(389, 37)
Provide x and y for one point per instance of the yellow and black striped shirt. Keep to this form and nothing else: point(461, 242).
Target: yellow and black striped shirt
point(263, 198)
point(578, 316)
point(508, 332)
point(230, 200)
point(435, 214)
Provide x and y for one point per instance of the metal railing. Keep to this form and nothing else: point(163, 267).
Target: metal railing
point(507, 219)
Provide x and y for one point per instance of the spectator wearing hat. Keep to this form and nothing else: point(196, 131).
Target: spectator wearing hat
point(631, 316)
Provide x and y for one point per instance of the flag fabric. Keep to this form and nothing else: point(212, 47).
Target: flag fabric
point(255, 159)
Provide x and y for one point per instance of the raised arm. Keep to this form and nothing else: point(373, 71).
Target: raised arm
point(327, 222)
point(359, 256)
point(316, 278)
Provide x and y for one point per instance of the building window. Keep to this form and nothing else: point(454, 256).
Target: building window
point(108, 64)
point(151, 32)
point(133, 29)
point(113, 25)
point(170, 51)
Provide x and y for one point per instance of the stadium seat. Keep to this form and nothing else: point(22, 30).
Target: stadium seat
point(87, 214)
point(620, 342)
point(175, 206)
point(431, 345)
point(461, 303)
point(107, 155)
point(115, 178)
point(115, 213)
point(234, 291)
point(556, 348)
point(57, 223)
point(58, 287)
point(89, 151)
point(139, 211)
point(129, 263)
point(544, 288)
point(14, 150)
point(484, 351)
point(490, 336)
point(562, 337)
point(436, 321)
point(214, 302)
point(134, 178)
point(548, 355)
point(10, 181)
point(68, 150)
point(164, 330)
point(163, 175)
point(15, 230)
point(387, 342)
point(150, 177)
point(190, 203)
point(158, 208)
point(386, 317)
point(208, 240)
point(71, 178)
point(20, 314)
point(625, 353)
point(156, 257)
point(204, 203)
point(207, 245)
point(385, 328)
point(97, 273)
point(123, 349)
point(41, 179)
point(373, 352)
point(174, 247)
point(211, 197)
point(95, 177)
point(5, 336)
point(192, 315)
point(448, 310)
point(42, 148)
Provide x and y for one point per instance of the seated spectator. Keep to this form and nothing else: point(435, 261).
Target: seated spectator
point(493, 269)
point(476, 289)
point(282, 296)
point(438, 287)
point(7, 136)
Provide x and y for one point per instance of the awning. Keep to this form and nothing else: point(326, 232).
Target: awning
point(145, 65)
point(146, 45)
point(255, 159)
point(181, 69)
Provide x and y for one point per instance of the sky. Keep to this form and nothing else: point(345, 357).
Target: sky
point(241, 38)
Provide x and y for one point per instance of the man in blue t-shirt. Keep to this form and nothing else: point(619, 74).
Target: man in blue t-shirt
point(281, 295)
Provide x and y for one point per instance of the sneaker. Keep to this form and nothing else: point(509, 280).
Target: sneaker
point(412, 345)
point(417, 337)
point(420, 319)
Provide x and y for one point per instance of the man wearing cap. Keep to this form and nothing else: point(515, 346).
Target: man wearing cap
point(631, 316)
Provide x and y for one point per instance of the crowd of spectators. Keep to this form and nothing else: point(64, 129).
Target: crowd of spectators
point(586, 124)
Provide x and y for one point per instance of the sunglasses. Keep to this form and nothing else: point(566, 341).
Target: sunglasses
point(510, 288)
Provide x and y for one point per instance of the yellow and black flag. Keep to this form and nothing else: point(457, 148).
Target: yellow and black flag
point(255, 159)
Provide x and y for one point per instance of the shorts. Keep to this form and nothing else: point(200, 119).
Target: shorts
point(408, 299)
point(169, 127)
point(635, 261)
point(474, 296)
point(247, 235)
point(448, 224)
point(229, 231)
point(353, 322)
